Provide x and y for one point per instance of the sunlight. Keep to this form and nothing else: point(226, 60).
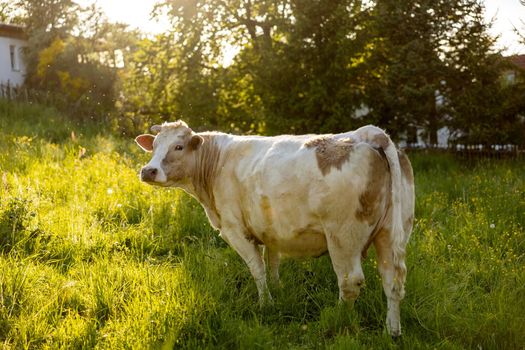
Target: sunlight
point(228, 54)
point(135, 13)
point(507, 13)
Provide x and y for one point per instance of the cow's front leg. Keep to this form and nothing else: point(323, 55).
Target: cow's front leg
point(251, 254)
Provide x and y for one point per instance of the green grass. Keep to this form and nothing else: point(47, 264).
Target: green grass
point(92, 258)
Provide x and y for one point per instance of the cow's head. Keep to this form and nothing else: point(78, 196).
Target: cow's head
point(173, 148)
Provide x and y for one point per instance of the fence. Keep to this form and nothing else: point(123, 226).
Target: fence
point(11, 92)
point(83, 108)
point(472, 151)
point(23, 94)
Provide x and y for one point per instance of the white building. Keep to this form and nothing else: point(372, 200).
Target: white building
point(12, 43)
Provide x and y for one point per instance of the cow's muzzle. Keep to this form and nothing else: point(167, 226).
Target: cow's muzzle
point(149, 174)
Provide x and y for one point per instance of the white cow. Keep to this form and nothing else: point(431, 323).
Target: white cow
point(298, 196)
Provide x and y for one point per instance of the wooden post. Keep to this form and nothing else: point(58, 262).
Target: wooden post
point(8, 91)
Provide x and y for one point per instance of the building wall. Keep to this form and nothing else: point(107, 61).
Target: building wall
point(8, 73)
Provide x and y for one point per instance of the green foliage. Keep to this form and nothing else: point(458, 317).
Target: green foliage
point(292, 72)
point(92, 258)
point(435, 65)
point(71, 56)
point(326, 66)
point(309, 78)
point(323, 66)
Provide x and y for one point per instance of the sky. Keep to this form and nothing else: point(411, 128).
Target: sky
point(136, 13)
point(506, 13)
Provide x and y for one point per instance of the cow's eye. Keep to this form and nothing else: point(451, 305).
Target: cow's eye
point(179, 148)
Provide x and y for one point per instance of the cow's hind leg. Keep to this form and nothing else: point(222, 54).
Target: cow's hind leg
point(250, 253)
point(272, 260)
point(393, 274)
point(345, 253)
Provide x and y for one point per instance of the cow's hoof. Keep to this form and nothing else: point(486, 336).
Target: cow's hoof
point(395, 334)
point(265, 300)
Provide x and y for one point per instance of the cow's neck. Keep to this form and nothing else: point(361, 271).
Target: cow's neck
point(207, 159)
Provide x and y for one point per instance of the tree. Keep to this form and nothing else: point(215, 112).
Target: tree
point(313, 65)
point(291, 74)
point(408, 68)
point(148, 84)
point(309, 78)
point(485, 108)
point(71, 56)
point(46, 22)
point(320, 66)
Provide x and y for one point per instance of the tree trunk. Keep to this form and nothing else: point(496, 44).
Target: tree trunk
point(433, 123)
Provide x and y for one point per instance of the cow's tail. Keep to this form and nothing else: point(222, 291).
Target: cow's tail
point(398, 233)
point(378, 138)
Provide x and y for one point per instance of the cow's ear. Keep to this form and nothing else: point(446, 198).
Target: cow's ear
point(195, 142)
point(145, 142)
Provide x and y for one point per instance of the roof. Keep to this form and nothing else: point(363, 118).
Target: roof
point(518, 60)
point(12, 31)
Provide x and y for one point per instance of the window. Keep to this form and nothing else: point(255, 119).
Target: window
point(14, 58)
point(510, 77)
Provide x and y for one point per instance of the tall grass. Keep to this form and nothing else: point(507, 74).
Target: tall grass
point(92, 258)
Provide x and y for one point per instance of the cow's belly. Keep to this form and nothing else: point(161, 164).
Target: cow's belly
point(286, 222)
point(309, 242)
point(289, 215)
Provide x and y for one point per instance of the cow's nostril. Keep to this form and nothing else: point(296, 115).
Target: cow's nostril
point(149, 174)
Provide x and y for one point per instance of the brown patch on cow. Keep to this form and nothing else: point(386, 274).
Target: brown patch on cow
point(195, 142)
point(406, 167)
point(380, 140)
point(266, 209)
point(370, 199)
point(171, 164)
point(172, 172)
point(381, 240)
point(250, 236)
point(330, 152)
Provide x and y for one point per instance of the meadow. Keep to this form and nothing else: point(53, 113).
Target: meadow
point(92, 258)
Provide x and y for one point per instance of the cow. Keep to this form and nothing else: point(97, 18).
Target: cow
point(297, 196)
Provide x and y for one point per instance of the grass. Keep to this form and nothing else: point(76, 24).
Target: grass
point(92, 258)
